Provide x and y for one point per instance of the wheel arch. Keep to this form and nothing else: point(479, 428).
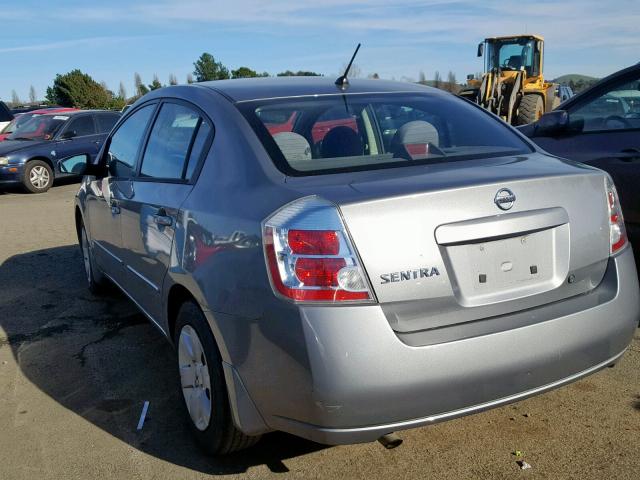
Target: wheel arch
point(45, 159)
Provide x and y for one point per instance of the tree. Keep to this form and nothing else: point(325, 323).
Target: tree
point(140, 88)
point(452, 84)
point(422, 78)
point(189, 78)
point(299, 73)
point(206, 68)
point(79, 90)
point(15, 99)
point(155, 85)
point(122, 92)
point(173, 80)
point(33, 96)
point(437, 80)
point(374, 76)
point(246, 72)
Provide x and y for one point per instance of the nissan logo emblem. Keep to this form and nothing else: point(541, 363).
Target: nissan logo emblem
point(504, 199)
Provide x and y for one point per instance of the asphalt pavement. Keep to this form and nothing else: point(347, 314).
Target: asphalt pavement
point(76, 370)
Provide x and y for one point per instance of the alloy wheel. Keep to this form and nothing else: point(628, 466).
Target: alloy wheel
point(194, 377)
point(39, 177)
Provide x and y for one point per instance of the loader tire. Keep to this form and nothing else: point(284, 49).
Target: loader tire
point(531, 109)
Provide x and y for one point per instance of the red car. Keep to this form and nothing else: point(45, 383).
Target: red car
point(320, 128)
point(23, 117)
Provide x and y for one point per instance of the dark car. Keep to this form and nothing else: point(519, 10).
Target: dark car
point(601, 127)
point(33, 153)
point(5, 115)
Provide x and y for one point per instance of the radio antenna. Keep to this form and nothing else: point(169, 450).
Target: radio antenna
point(343, 82)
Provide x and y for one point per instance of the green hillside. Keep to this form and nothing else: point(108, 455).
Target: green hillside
point(575, 77)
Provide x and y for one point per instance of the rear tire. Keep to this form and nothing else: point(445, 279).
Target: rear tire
point(202, 385)
point(38, 176)
point(531, 109)
point(96, 281)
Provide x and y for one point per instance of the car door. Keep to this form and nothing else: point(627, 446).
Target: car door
point(77, 137)
point(609, 139)
point(104, 194)
point(175, 147)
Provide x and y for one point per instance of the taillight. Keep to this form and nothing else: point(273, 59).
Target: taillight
point(617, 232)
point(309, 255)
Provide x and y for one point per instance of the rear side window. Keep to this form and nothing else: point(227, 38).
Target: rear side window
point(199, 145)
point(82, 126)
point(361, 132)
point(125, 143)
point(106, 121)
point(170, 142)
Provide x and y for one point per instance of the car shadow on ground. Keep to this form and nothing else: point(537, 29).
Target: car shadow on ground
point(19, 189)
point(101, 359)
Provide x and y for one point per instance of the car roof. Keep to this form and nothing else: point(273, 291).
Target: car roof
point(74, 112)
point(247, 89)
point(42, 111)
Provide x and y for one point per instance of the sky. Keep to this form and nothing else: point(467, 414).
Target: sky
point(111, 40)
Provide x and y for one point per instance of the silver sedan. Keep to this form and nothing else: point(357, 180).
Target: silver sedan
point(342, 263)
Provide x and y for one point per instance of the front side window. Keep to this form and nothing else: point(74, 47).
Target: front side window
point(126, 142)
point(170, 142)
point(616, 109)
point(81, 126)
point(513, 54)
point(358, 132)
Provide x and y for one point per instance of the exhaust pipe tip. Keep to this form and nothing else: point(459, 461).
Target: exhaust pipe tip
point(390, 441)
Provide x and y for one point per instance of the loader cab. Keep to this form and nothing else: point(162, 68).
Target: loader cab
point(513, 54)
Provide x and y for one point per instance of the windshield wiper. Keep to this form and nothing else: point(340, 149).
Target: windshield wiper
point(21, 138)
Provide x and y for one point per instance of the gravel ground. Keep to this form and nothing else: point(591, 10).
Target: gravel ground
point(75, 371)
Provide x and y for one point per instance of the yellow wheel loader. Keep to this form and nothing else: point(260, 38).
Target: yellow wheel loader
point(513, 85)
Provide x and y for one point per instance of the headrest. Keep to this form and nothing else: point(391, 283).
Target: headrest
point(342, 141)
point(294, 146)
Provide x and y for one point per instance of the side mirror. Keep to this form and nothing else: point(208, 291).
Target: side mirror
point(69, 134)
point(480, 49)
point(552, 123)
point(76, 165)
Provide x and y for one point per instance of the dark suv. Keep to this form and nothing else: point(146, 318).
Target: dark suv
point(33, 155)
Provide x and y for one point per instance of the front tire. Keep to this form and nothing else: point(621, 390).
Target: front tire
point(38, 176)
point(203, 387)
point(531, 109)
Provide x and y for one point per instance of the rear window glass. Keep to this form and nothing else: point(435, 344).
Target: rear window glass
point(360, 132)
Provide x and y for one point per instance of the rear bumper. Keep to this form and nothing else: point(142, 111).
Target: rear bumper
point(357, 381)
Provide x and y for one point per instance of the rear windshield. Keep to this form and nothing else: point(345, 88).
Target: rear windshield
point(316, 135)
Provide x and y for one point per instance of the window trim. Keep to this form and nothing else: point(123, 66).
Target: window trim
point(203, 155)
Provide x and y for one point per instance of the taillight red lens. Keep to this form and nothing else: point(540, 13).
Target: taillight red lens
point(314, 242)
point(319, 272)
point(617, 231)
point(307, 264)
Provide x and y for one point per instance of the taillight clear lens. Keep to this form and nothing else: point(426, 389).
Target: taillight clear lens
point(617, 232)
point(309, 254)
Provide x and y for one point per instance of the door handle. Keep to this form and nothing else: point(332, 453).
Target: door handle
point(115, 207)
point(162, 219)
